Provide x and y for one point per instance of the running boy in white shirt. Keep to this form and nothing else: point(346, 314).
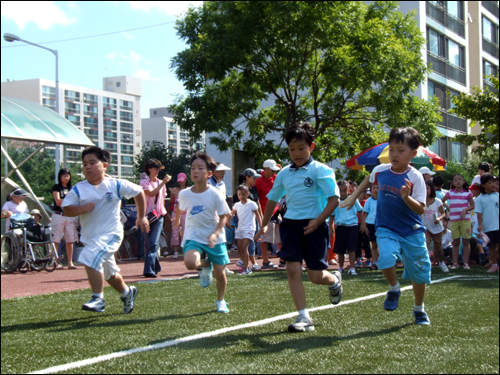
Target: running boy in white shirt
point(206, 216)
point(97, 201)
point(247, 213)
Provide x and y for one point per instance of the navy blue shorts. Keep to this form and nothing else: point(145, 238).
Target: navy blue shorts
point(493, 236)
point(372, 230)
point(346, 239)
point(296, 246)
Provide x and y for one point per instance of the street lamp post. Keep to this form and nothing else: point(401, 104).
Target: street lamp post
point(14, 38)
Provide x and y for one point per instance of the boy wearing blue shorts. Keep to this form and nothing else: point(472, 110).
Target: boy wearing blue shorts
point(312, 195)
point(97, 200)
point(204, 236)
point(400, 231)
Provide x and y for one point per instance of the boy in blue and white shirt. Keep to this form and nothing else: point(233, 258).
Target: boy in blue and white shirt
point(400, 231)
point(311, 195)
point(97, 200)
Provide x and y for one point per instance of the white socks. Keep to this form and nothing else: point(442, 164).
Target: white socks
point(305, 313)
point(418, 308)
point(126, 291)
point(395, 288)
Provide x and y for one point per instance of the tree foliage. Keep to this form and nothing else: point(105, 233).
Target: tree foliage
point(481, 107)
point(173, 164)
point(252, 69)
point(39, 171)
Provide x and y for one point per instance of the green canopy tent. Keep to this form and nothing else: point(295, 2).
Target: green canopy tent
point(25, 120)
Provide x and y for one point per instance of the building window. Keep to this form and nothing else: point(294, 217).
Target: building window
point(90, 99)
point(110, 136)
point(118, 84)
point(449, 120)
point(75, 120)
point(111, 147)
point(109, 113)
point(126, 116)
point(129, 160)
point(126, 149)
point(109, 125)
point(72, 107)
point(448, 62)
point(90, 122)
point(109, 102)
point(127, 171)
point(490, 37)
point(71, 96)
point(90, 110)
point(126, 105)
point(449, 14)
point(93, 134)
point(126, 138)
point(127, 127)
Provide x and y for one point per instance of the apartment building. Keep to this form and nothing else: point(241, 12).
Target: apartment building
point(160, 127)
point(109, 117)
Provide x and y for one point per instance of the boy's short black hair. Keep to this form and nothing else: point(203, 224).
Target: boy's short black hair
point(438, 181)
point(484, 179)
point(243, 187)
point(209, 161)
point(342, 183)
point(410, 135)
point(353, 183)
point(484, 166)
point(300, 132)
point(433, 189)
point(103, 155)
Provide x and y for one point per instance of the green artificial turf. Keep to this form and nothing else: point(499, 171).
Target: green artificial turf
point(44, 331)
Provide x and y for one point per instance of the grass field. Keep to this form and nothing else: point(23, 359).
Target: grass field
point(360, 337)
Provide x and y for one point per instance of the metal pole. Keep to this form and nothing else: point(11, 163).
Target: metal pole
point(58, 147)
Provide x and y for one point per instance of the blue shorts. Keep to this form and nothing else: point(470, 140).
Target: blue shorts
point(296, 246)
point(216, 255)
point(412, 250)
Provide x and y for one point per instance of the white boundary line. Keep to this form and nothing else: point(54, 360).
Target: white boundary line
point(169, 343)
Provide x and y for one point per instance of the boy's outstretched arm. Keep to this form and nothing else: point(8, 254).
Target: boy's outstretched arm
point(351, 200)
point(270, 206)
point(417, 207)
point(142, 222)
point(333, 202)
point(72, 211)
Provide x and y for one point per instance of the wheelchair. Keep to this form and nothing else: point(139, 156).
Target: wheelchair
point(28, 246)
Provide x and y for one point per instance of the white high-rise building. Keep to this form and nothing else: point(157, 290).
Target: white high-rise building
point(160, 127)
point(110, 117)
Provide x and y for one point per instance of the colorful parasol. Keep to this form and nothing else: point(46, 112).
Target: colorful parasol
point(380, 154)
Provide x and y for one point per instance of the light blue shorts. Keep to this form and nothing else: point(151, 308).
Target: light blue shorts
point(412, 250)
point(216, 255)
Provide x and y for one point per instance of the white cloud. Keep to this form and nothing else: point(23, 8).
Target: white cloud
point(171, 8)
point(43, 13)
point(144, 75)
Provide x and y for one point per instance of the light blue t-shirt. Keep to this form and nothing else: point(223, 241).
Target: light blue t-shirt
point(487, 205)
point(347, 218)
point(371, 210)
point(440, 195)
point(307, 189)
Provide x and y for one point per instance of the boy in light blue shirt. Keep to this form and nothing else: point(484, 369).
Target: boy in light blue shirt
point(312, 195)
point(346, 230)
point(370, 210)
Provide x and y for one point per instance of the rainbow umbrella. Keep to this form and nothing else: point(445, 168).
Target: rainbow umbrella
point(380, 154)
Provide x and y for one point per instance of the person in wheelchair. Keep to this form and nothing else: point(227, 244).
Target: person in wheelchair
point(15, 205)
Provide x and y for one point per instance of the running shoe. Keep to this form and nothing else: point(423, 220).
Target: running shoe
point(332, 262)
point(368, 263)
point(222, 306)
point(95, 304)
point(228, 271)
point(336, 293)
point(494, 268)
point(374, 267)
point(206, 276)
point(359, 264)
point(255, 267)
point(129, 300)
point(248, 271)
point(444, 267)
point(421, 318)
point(302, 324)
point(176, 255)
point(352, 271)
point(392, 300)
point(234, 248)
point(239, 263)
point(454, 266)
point(282, 264)
point(269, 265)
point(466, 266)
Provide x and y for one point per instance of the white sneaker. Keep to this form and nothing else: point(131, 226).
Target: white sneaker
point(255, 267)
point(95, 304)
point(234, 248)
point(239, 263)
point(352, 271)
point(129, 300)
point(176, 255)
point(332, 262)
point(206, 276)
point(221, 306)
point(248, 271)
point(302, 324)
point(228, 271)
point(444, 267)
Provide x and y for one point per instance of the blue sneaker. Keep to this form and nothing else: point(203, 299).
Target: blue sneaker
point(222, 306)
point(206, 276)
point(368, 263)
point(391, 301)
point(359, 264)
point(421, 318)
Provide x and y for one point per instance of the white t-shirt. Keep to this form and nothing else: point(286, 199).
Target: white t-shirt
point(20, 208)
point(447, 241)
point(105, 217)
point(476, 180)
point(431, 214)
point(203, 211)
point(246, 214)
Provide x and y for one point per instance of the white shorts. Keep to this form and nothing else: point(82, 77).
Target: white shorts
point(63, 225)
point(244, 233)
point(99, 254)
point(273, 234)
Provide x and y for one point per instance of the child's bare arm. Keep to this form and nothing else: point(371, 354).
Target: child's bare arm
point(212, 239)
point(417, 207)
point(72, 211)
point(351, 200)
point(259, 220)
point(333, 203)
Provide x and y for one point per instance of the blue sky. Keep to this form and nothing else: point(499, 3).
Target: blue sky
point(144, 53)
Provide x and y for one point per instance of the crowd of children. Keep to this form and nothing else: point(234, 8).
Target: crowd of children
point(397, 214)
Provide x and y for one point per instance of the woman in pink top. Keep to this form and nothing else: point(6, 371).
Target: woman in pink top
point(461, 204)
point(155, 194)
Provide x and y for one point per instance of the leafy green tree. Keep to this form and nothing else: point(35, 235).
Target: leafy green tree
point(254, 68)
point(173, 164)
point(39, 171)
point(482, 108)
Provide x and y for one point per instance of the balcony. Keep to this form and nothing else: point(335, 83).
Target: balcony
point(443, 67)
point(453, 122)
point(487, 84)
point(491, 6)
point(490, 47)
point(444, 18)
